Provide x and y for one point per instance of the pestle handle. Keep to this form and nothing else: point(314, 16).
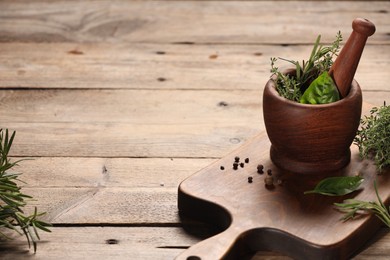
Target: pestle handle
point(344, 67)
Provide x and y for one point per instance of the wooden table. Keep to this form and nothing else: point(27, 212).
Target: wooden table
point(118, 101)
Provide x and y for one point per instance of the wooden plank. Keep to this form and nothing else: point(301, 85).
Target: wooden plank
point(164, 66)
point(83, 172)
point(138, 107)
point(105, 205)
point(120, 128)
point(105, 190)
point(188, 21)
point(91, 243)
point(141, 107)
point(138, 243)
point(129, 140)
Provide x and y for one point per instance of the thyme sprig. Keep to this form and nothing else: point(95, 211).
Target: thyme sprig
point(353, 207)
point(373, 137)
point(320, 60)
point(12, 200)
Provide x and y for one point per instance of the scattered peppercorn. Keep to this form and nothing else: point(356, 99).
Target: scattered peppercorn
point(235, 166)
point(269, 181)
point(260, 168)
point(242, 165)
point(236, 159)
point(222, 168)
point(246, 160)
point(269, 172)
point(250, 179)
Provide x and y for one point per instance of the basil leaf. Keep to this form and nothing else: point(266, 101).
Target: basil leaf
point(321, 91)
point(337, 186)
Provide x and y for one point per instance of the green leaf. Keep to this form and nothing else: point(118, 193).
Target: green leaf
point(337, 186)
point(321, 91)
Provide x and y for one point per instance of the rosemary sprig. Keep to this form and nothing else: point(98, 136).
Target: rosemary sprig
point(373, 137)
point(320, 60)
point(12, 200)
point(353, 207)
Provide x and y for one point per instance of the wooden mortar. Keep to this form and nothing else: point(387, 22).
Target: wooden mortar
point(315, 139)
point(311, 139)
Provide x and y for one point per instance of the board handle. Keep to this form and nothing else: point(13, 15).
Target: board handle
point(216, 247)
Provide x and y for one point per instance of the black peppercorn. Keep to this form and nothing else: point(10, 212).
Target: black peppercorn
point(222, 168)
point(236, 159)
point(235, 166)
point(250, 179)
point(260, 168)
point(242, 165)
point(246, 160)
point(269, 172)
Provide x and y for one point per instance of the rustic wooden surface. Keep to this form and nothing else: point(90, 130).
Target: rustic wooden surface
point(118, 101)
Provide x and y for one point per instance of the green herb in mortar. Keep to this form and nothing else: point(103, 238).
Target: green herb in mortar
point(321, 91)
point(321, 59)
point(373, 137)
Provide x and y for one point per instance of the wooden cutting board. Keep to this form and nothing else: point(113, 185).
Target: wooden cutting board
point(282, 218)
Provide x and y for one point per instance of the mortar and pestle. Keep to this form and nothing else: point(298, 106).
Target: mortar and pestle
point(314, 139)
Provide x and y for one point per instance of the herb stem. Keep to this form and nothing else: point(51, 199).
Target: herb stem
point(352, 207)
point(12, 200)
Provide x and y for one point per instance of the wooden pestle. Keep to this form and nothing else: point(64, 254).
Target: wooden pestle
point(344, 67)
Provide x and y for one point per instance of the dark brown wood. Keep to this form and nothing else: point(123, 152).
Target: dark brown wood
point(280, 218)
point(310, 139)
point(344, 68)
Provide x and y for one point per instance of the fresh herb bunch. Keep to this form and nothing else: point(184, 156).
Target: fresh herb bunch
point(352, 207)
point(320, 60)
point(373, 137)
point(12, 200)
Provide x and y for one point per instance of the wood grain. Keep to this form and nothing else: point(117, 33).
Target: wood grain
point(84, 172)
point(164, 66)
point(184, 22)
point(105, 205)
point(139, 243)
point(128, 140)
point(107, 190)
point(138, 107)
